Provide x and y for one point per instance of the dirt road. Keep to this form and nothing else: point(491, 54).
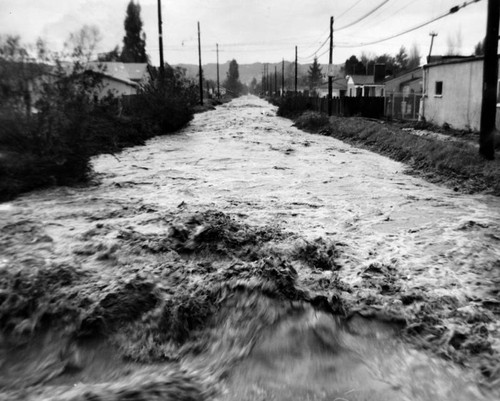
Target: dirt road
point(244, 259)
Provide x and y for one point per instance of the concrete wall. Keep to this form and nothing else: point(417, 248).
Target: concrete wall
point(460, 102)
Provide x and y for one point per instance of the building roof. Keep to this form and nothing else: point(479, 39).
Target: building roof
point(136, 71)
point(338, 83)
point(407, 76)
point(122, 72)
point(362, 79)
point(445, 60)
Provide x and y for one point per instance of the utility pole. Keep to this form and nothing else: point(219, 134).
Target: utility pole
point(262, 83)
point(432, 34)
point(490, 77)
point(218, 83)
point(160, 39)
point(283, 77)
point(295, 69)
point(275, 81)
point(330, 68)
point(199, 62)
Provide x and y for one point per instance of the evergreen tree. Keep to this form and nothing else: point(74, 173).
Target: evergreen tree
point(479, 49)
point(233, 84)
point(401, 60)
point(315, 75)
point(134, 41)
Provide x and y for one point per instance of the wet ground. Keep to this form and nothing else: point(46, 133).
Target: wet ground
point(243, 259)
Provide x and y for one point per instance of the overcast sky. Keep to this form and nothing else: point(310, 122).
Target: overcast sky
point(254, 30)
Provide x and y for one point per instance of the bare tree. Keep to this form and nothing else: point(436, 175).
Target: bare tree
point(454, 42)
point(414, 59)
point(83, 43)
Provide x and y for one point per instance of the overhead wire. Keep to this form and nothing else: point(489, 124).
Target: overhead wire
point(451, 11)
point(349, 9)
point(362, 17)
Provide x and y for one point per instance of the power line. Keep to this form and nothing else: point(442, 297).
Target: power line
point(378, 21)
point(451, 11)
point(349, 9)
point(317, 50)
point(362, 17)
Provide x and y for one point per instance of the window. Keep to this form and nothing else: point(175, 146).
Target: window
point(439, 88)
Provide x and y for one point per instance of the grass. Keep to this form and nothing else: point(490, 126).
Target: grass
point(455, 163)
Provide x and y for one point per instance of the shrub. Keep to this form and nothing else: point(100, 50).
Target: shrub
point(311, 120)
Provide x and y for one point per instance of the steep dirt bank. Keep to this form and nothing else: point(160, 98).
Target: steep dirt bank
point(451, 159)
point(246, 259)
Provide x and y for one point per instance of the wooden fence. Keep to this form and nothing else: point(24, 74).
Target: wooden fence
point(372, 107)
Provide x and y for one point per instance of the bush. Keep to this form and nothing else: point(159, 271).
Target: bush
point(54, 145)
point(311, 120)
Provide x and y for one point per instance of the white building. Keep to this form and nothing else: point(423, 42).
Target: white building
point(453, 92)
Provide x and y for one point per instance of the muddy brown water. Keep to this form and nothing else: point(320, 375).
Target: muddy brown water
point(244, 161)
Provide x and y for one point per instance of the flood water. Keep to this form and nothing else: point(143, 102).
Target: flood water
point(403, 247)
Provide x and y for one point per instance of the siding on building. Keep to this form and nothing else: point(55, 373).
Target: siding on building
point(406, 83)
point(453, 94)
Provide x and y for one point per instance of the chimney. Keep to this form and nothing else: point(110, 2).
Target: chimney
point(379, 72)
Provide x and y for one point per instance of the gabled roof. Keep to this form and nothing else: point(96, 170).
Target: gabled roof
point(118, 71)
point(136, 71)
point(363, 79)
point(339, 83)
point(413, 74)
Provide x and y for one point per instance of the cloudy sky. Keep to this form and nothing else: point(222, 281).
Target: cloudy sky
point(255, 30)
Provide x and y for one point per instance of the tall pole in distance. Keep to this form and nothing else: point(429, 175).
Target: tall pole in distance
point(433, 35)
point(490, 77)
point(218, 83)
point(330, 68)
point(295, 69)
point(275, 81)
point(283, 77)
point(199, 62)
point(160, 39)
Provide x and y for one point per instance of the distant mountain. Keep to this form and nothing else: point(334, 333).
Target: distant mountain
point(249, 71)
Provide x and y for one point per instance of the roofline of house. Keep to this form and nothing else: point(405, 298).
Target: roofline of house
point(463, 59)
point(402, 74)
point(125, 81)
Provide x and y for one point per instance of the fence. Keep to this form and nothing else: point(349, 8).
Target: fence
point(372, 107)
point(401, 107)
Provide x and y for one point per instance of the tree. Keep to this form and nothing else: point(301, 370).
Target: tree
point(134, 41)
point(414, 59)
point(232, 83)
point(479, 49)
point(454, 43)
point(401, 60)
point(315, 76)
point(113, 55)
point(83, 43)
point(354, 67)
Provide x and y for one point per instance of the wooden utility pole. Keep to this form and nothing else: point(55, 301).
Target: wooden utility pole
point(283, 77)
point(275, 81)
point(199, 62)
point(433, 35)
point(330, 68)
point(160, 39)
point(218, 82)
point(490, 78)
point(295, 69)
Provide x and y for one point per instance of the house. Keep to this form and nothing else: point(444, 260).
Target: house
point(405, 83)
point(367, 85)
point(339, 88)
point(121, 79)
point(452, 92)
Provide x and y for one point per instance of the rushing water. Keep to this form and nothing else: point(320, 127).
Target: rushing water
point(244, 161)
